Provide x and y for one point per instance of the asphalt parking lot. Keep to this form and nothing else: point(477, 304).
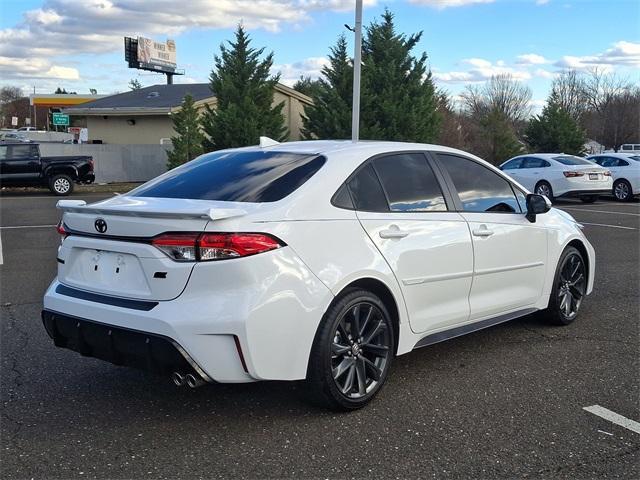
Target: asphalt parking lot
point(504, 402)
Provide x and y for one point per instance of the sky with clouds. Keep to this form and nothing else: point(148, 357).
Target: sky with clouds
point(78, 44)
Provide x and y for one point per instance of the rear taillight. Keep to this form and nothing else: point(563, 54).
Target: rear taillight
point(607, 173)
point(91, 164)
point(573, 174)
point(61, 231)
point(190, 247)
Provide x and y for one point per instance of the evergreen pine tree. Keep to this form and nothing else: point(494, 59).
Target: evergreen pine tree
point(555, 130)
point(244, 90)
point(330, 115)
point(500, 140)
point(398, 95)
point(187, 143)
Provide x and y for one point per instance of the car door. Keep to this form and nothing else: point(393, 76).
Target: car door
point(510, 253)
point(532, 171)
point(401, 205)
point(19, 164)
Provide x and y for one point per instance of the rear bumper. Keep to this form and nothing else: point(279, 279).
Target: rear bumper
point(88, 178)
point(120, 346)
point(266, 307)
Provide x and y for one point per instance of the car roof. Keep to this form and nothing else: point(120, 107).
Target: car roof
point(615, 155)
point(368, 147)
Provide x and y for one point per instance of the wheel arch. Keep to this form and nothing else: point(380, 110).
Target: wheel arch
point(578, 245)
point(64, 170)
point(382, 291)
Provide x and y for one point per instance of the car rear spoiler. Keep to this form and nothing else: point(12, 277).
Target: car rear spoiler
point(80, 206)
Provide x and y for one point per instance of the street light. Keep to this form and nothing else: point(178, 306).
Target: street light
point(357, 63)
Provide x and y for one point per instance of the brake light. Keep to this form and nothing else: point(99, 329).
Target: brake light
point(91, 163)
point(191, 247)
point(573, 174)
point(61, 231)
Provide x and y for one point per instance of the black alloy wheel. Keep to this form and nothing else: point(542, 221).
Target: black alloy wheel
point(352, 352)
point(570, 287)
point(622, 191)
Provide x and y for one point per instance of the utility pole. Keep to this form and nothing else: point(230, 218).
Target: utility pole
point(357, 63)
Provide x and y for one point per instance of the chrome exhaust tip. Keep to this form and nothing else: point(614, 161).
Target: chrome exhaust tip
point(178, 379)
point(193, 381)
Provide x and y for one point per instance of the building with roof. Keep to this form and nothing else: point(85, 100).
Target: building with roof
point(144, 116)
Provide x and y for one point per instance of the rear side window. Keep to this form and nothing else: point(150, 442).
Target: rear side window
point(533, 162)
point(513, 164)
point(18, 151)
point(409, 182)
point(367, 192)
point(235, 177)
point(479, 189)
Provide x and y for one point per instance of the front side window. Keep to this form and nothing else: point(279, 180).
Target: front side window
point(19, 152)
point(410, 184)
point(240, 176)
point(513, 164)
point(479, 188)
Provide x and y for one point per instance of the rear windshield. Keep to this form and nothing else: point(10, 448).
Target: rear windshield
point(635, 157)
point(235, 177)
point(571, 160)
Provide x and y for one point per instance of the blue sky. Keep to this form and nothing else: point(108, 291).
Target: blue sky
point(77, 44)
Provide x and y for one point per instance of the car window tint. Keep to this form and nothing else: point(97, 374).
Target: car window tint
point(342, 198)
point(410, 184)
point(245, 176)
point(522, 199)
point(533, 162)
point(571, 160)
point(367, 192)
point(19, 151)
point(635, 157)
point(3, 152)
point(513, 164)
point(479, 189)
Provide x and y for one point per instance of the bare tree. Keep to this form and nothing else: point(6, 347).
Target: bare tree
point(10, 94)
point(613, 109)
point(568, 91)
point(503, 94)
point(453, 131)
point(12, 104)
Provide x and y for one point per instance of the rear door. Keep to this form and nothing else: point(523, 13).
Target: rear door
point(510, 253)
point(532, 171)
point(402, 207)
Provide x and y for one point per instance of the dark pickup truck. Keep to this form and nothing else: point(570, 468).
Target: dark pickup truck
point(22, 166)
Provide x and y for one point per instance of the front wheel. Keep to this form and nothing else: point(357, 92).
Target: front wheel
point(569, 288)
point(352, 352)
point(61, 185)
point(544, 188)
point(589, 198)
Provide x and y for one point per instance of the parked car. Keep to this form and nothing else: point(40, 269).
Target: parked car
point(27, 129)
point(630, 148)
point(558, 175)
point(625, 170)
point(22, 166)
point(14, 137)
point(318, 260)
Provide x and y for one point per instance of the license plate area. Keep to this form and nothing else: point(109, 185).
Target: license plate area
point(106, 271)
point(593, 176)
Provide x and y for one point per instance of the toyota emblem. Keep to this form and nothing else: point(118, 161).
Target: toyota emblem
point(101, 225)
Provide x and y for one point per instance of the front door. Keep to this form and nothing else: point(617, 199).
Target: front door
point(427, 246)
point(510, 253)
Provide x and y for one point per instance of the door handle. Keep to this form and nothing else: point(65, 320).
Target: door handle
point(483, 231)
point(393, 232)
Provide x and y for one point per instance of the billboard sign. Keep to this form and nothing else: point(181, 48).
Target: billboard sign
point(157, 55)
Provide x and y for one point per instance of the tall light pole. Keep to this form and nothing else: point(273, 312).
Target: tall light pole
point(357, 63)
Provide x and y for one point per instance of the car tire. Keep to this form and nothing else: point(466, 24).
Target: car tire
point(589, 198)
point(347, 370)
point(61, 185)
point(622, 190)
point(544, 188)
point(569, 285)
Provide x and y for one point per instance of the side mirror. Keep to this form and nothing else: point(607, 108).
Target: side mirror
point(536, 204)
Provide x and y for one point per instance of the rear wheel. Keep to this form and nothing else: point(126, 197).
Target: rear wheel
point(589, 198)
point(622, 190)
point(352, 352)
point(61, 184)
point(543, 188)
point(569, 288)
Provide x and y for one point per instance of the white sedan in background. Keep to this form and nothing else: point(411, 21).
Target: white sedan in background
point(558, 175)
point(625, 170)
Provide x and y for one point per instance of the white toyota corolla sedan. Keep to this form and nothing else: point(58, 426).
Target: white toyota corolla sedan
point(625, 169)
point(558, 175)
point(318, 260)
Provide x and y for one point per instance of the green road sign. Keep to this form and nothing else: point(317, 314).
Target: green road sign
point(61, 119)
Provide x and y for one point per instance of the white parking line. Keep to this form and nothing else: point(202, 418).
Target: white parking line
point(614, 417)
point(600, 211)
point(27, 226)
point(610, 226)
